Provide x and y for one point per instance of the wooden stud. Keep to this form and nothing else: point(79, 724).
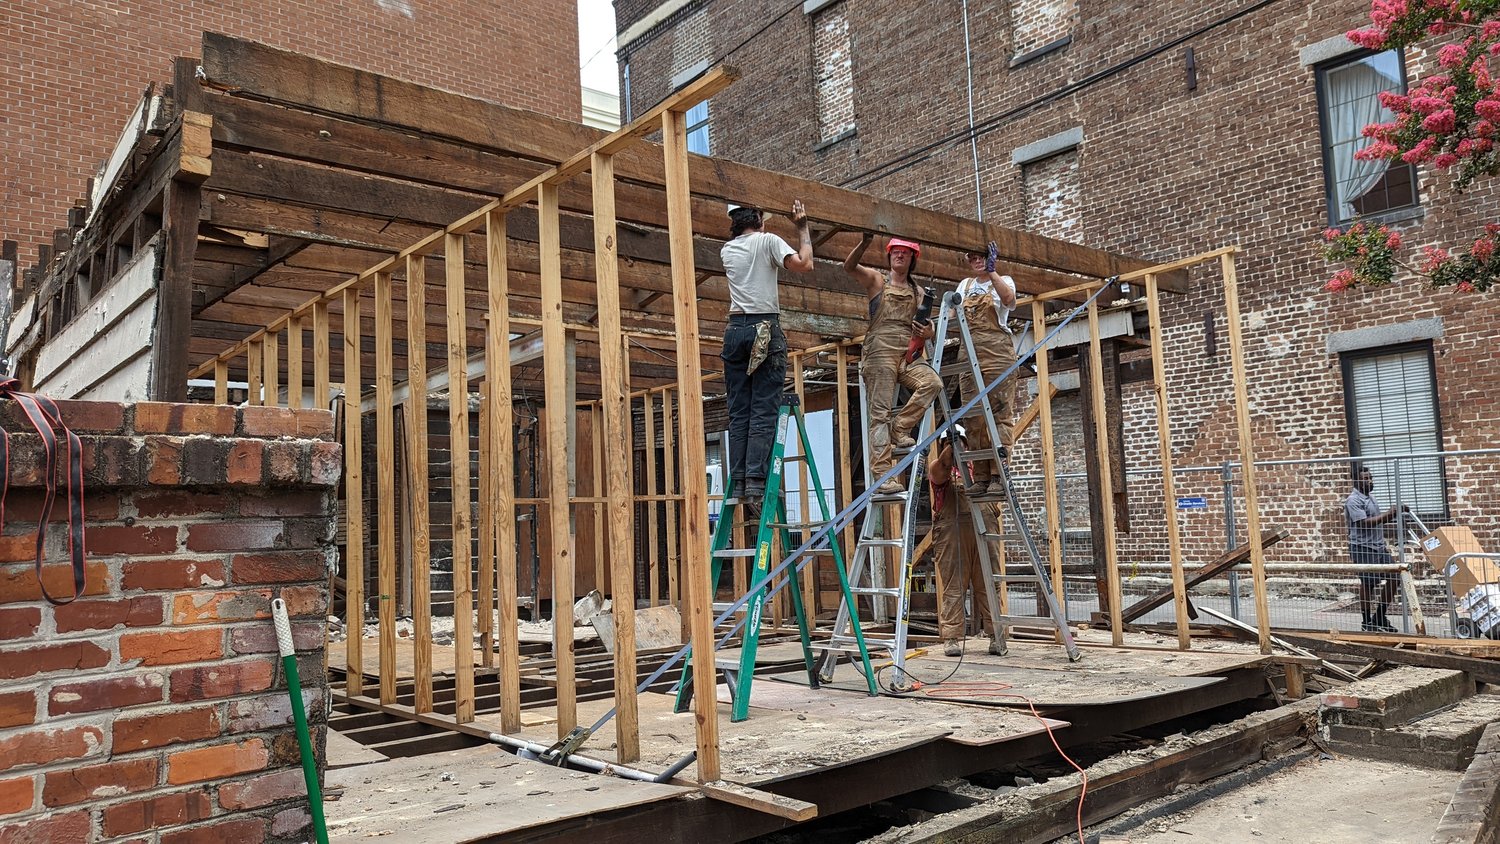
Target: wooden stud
point(354, 548)
point(672, 489)
point(416, 480)
point(694, 454)
point(1049, 454)
point(597, 447)
point(497, 373)
point(1164, 448)
point(1247, 447)
point(320, 355)
point(386, 552)
point(458, 437)
point(487, 477)
point(221, 382)
point(294, 362)
point(1101, 439)
point(612, 442)
point(845, 436)
point(255, 359)
point(653, 512)
point(810, 573)
point(554, 341)
point(272, 368)
point(1296, 687)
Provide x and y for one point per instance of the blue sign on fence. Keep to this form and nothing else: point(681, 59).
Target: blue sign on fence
point(1194, 503)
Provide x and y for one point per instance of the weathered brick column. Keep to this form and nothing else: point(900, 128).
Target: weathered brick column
point(153, 709)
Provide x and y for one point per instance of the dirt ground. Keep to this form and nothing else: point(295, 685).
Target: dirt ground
point(1332, 801)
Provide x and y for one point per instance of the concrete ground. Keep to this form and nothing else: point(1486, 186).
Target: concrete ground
point(1331, 801)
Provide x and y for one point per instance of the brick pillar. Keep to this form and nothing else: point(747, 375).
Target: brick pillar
point(154, 708)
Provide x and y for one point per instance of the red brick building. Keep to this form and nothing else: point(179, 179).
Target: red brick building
point(1159, 130)
point(72, 72)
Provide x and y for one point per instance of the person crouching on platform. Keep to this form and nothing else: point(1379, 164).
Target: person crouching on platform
point(955, 550)
point(884, 363)
point(754, 351)
point(987, 299)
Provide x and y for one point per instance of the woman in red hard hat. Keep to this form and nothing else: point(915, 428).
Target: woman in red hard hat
point(894, 300)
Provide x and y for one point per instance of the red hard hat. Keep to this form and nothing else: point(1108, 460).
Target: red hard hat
point(895, 242)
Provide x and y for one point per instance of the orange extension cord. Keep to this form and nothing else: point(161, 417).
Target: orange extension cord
point(970, 691)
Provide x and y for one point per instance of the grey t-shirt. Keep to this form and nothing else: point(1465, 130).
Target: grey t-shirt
point(752, 262)
point(1357, 508)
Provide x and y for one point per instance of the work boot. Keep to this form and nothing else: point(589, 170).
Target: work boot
point(1383, 624)
point(891, 487)
point(903, 441)
point(996, 489)
point(997, 647)
point(952, 647)
point(979, 487)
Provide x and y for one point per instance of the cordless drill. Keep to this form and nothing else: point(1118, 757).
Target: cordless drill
point(924, 316)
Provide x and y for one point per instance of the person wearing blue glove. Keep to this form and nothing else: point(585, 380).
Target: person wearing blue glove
point(987, 298)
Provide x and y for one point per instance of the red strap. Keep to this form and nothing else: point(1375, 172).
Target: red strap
point(45, 418)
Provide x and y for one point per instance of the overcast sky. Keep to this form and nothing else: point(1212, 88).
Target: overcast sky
point(596, 45)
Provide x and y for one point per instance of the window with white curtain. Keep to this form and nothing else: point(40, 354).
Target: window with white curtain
point(1390, 399)
point(1348, 100)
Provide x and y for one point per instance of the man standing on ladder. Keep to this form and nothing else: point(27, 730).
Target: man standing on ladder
point(955, 550)
point(987, 298)
point(894, 301)
point(754, 351)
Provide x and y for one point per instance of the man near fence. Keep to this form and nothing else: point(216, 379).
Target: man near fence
point(1367, 548)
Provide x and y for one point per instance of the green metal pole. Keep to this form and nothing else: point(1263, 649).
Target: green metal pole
point(299, 713)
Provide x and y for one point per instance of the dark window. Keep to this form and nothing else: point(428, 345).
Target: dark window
point(1348, 100)
point(1390, 399)
point(697, 129)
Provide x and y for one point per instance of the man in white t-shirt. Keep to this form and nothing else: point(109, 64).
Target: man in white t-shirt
point(987, 298)
point(754, 351)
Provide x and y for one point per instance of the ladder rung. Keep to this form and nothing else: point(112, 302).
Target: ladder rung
point(1016, 578)
point(890, 591)
point(734, 552)
point(1033, 620)
point(853, 646)
point(983, 454)
point(794, 458)
point(884, 497)
point(798, 525)
point(889, 543)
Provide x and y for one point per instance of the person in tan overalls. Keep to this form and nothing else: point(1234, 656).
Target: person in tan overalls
point(894, 299)
point(987, 298)
point(955, 549)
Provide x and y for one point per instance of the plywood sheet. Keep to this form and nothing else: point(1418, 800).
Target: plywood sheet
point(470, 795)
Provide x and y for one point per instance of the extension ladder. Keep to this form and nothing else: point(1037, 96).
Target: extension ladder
point(771, 524)
point(950, 313)
point(868, 571)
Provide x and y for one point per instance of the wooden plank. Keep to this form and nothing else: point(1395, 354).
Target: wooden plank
point(221, 382)
point(653, 508)
point(792, 809)
point(809, 575)
point(354, 549)
point(294, 372)
point(486, 527)
point(1220, 564)
point(1164, 452)
point(1049, 452)
point(254, 360)
point(417, 477)
point(1482, 670)
point(271, 368)
point(497, 374)
point(596, 443)
point(612, 443)
point(554, 340)
point(845, 439)
point(694, 456)
point(671, 488)
point(1101, 438)
point(458, 437)
point(169, 356)
point(386, 552)
point(320, 355)
point(1247, 446)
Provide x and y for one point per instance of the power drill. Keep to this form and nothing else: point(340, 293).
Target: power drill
point(924, 317)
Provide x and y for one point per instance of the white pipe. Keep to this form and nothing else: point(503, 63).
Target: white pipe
point(973, 141)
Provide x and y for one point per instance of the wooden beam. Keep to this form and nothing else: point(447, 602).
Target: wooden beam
point(810, 573)
point(386, 552)
point(1482, 670)
point(613, 443)
point(354, 547)
point(733, 793)
point(1223, 563)
point(169, 349)
point(1247, 446)
point(221, 382)
point(554, 340)
point(844, 436)
point(487, 481)
point(320, 355)
point(417, 474)
point(294, 374)
point(458, 438)
point(653, 511)
point(671, 487)
point(1164, 451)
point(1049, 453)
point(498, 375)
point(255, 359)
point(1101, 448)
point(271, 367)
point(695, 492)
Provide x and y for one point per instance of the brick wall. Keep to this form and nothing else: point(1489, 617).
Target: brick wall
point(1165, 170)
point(64, 59)
point(154, 708)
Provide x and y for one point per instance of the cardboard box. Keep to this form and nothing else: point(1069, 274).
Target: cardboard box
point(1464, 573)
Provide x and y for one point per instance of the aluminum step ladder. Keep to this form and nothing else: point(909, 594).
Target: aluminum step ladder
point(967, 358)
point(772, 524)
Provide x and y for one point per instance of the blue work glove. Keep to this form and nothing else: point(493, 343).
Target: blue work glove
point(990, 257)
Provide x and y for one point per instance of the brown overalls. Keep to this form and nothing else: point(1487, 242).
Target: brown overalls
point(956, 555)
point(996, 350)
point(883, 366)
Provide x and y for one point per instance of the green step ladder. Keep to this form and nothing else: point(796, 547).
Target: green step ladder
point(772, 523)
